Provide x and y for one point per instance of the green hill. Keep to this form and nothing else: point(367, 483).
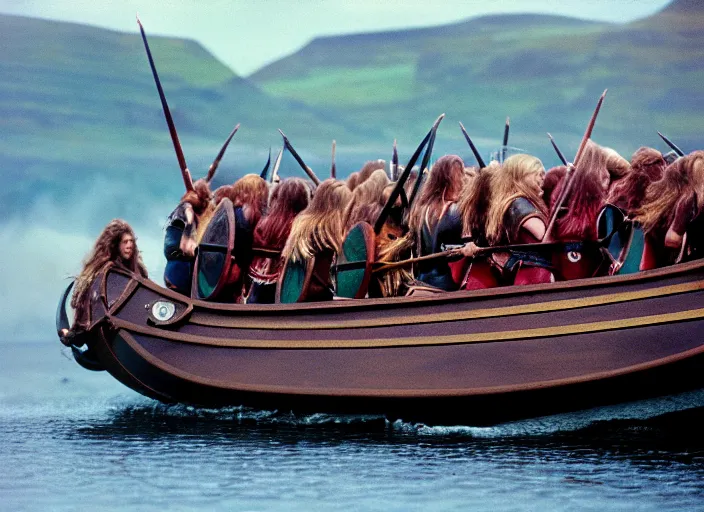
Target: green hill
point(79, 104)
point(544, 72)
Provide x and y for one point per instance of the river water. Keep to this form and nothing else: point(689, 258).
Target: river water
point(76, 440)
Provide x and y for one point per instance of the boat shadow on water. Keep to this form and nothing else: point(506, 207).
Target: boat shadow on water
point(653, 433)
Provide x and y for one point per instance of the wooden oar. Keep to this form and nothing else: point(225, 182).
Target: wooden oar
point(479, 158)
point(216, 162)
point(300, 161)
point(386, 211)
point(264, 172)
point(557, 150)
point(569, 178)
point(672, 145)
point(185, 173)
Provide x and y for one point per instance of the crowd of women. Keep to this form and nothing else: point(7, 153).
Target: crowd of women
point(484, 224)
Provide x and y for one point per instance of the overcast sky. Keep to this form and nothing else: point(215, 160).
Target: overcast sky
point(247, 34)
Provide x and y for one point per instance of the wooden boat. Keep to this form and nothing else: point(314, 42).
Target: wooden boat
point(468, 357)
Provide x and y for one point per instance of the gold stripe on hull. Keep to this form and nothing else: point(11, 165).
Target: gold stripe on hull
point(539, 307)
point(456, 339)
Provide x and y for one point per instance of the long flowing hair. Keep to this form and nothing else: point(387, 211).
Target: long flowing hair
point(200, 199)
point(106, 250)
point(319, 227)
point(473, 205)
point(369, 192)
point(289, 198)
point(509, 184)
point(553, 179)
point(582, 205)
point(683, 175)
point(444, 183)
point(647, 166)
point(617, 166)
point(250, 193)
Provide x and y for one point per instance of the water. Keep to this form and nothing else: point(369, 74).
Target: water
point(76, 440)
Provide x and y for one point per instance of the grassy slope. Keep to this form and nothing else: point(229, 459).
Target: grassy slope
point(545, 72)
point(79, 104)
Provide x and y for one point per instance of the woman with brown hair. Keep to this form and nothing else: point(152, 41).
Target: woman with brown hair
point(249, 196)
point(317, 232)
point(183, 228)
point(115, 247)
point(670, 206)
point(287, 200)
point(441, 189)
point(628, 193)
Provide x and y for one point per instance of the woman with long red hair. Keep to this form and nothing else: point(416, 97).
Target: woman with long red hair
point(288, 199)
point(116, 246)
point(628, 193)
point(671, 205)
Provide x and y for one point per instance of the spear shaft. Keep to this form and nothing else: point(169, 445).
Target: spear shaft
point(264, 172)
point(187, 180)
point(557, 150)
point(300, 161)
point(480, 161)
point(672, 145)
point(569, 175)
point(216, 162)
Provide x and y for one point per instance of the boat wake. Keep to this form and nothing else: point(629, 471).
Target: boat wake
point(634, 415)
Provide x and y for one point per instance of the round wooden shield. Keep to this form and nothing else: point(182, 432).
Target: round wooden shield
point(212, 265)
point(294, 281)
point(354, 262)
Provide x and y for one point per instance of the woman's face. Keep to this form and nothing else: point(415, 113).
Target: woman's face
point(126, 246)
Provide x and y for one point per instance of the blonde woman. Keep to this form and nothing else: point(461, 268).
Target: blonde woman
point(516, 214)
point(317, 233)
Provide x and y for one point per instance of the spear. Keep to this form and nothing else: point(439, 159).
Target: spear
point(333, 169)
point(214, 166)
point(277, 164)
point(381, 219)
point(557, 150)
point(568, 179)
point(186, 175)
point(262, 175)
point(300, 161)
point(393, 168)
point(672, 145)
point(480, 161)
point(426, 161)
point(503, 149)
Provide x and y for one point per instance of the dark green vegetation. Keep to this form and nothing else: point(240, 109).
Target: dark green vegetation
point(79, 112)
point(546, 73)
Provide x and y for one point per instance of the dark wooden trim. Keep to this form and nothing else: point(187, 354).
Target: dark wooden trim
point(451, 339)
point(406, 393)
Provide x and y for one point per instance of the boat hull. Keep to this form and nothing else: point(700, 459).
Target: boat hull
point(463, 357)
